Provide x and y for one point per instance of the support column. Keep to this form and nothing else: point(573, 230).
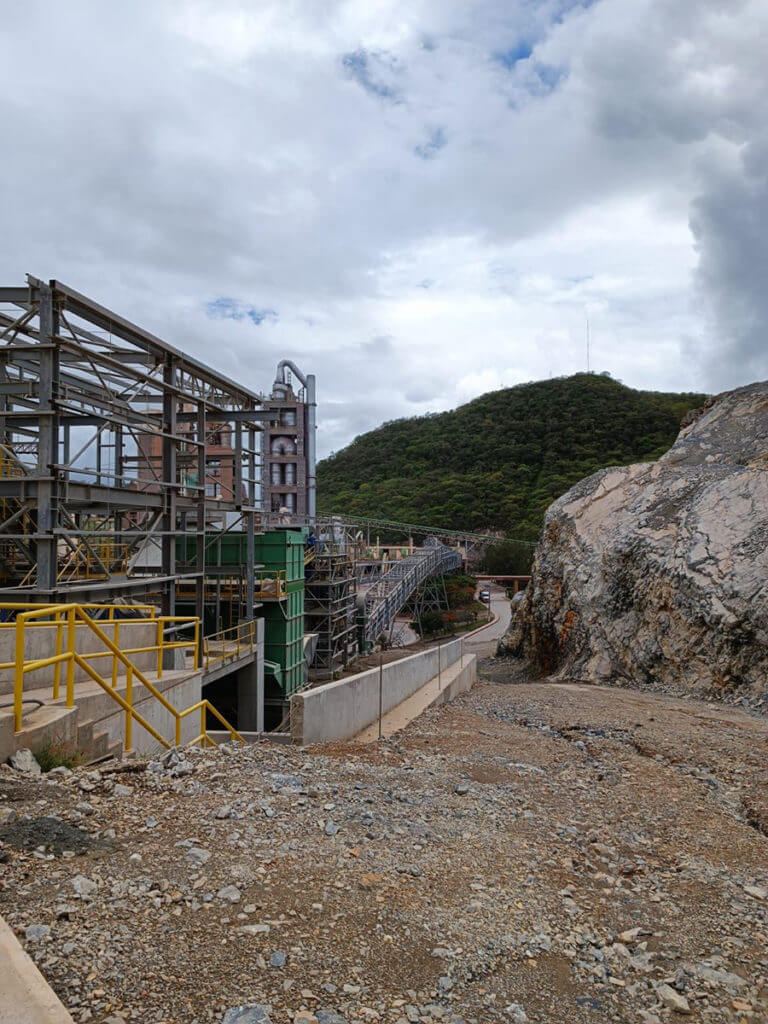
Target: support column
point(168, 484)
point(47, 447)
point(200, 523)
point(250, 688)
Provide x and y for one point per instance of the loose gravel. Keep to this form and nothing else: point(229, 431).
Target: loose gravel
point(528, 853)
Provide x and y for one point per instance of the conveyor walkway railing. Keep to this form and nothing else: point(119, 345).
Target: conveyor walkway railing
point(381, 602)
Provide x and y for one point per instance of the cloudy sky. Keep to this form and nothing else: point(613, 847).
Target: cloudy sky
point(418, 200)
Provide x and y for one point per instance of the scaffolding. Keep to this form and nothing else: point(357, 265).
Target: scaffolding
point(330, 609)
point(113, 444)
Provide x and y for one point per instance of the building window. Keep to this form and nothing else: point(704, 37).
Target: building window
point(213, 479)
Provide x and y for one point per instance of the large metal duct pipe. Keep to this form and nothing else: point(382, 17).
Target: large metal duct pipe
point(290, 474)
point(283, 446)
point(276, 478)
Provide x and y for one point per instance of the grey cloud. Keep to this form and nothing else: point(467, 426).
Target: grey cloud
point(293, 159)
point(730, 223)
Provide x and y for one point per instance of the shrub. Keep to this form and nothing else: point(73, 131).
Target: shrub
point(58, 754)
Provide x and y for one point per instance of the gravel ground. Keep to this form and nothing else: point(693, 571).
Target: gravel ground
point(527, 853)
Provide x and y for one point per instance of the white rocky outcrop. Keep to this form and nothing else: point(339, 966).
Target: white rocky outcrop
point(657, 573)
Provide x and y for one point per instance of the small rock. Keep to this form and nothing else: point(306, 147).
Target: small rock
point(278, 959)
point(230, 893)
point(25, 761)
point(758, 892)
point(197, 856)
point(462, 788)
point(331, 828)
point(84, 886)
point(673, 1000)
point(248, 1013)
point(35, 932)
point(121, 790)
point(329, 1017)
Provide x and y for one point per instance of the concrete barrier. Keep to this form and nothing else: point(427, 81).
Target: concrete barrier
point(25, 995)
point(342, 709)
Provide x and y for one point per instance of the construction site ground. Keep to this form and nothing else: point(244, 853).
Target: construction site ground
point(530, 852)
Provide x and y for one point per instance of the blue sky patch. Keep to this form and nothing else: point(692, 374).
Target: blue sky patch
point(225, 308)
point(508, 58)
point(429, 149)
point(358, 66)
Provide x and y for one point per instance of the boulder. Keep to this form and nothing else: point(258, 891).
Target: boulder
point(24, 760)
point(657, 573)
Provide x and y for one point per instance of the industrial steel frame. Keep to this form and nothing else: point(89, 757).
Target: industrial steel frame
point(88, 512)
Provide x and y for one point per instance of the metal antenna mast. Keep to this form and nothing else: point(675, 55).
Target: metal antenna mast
point(587, 317)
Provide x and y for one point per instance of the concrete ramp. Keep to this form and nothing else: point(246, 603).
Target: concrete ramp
point(25, 995)
point(456, 679)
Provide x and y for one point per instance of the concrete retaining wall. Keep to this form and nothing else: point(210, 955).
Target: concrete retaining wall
point(342, 709)
point(40, 642)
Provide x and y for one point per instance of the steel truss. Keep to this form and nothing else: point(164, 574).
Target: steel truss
point(103, 433)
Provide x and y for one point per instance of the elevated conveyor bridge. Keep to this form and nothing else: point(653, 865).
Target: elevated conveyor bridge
point(379, 603)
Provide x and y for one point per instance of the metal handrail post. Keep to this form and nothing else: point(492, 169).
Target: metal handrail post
point(57, 667)
point(116, 639)
point(129, 714)
point(160, 648)
point(71, 653)
point(18, 678)
point(381, 689)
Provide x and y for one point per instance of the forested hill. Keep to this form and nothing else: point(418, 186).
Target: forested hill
point(499, 461)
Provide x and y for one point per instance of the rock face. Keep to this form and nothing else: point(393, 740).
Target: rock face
point(657, 573)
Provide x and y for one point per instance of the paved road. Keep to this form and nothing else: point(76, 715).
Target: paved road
point(484, 642)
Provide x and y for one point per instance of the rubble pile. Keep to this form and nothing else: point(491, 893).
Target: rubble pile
point(533, 853)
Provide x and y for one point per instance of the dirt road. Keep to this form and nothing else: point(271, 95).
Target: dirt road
point(537, 853)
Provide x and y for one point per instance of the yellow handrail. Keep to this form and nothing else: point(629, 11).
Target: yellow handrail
point(68, 615)
point(229, 643)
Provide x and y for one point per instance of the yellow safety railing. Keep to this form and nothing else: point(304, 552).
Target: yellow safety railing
point(95, 560)
point(10, 465)
point(229, 644)
point(270, 584)
point(65, 619)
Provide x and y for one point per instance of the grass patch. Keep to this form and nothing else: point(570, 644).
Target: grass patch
point(58, 754)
